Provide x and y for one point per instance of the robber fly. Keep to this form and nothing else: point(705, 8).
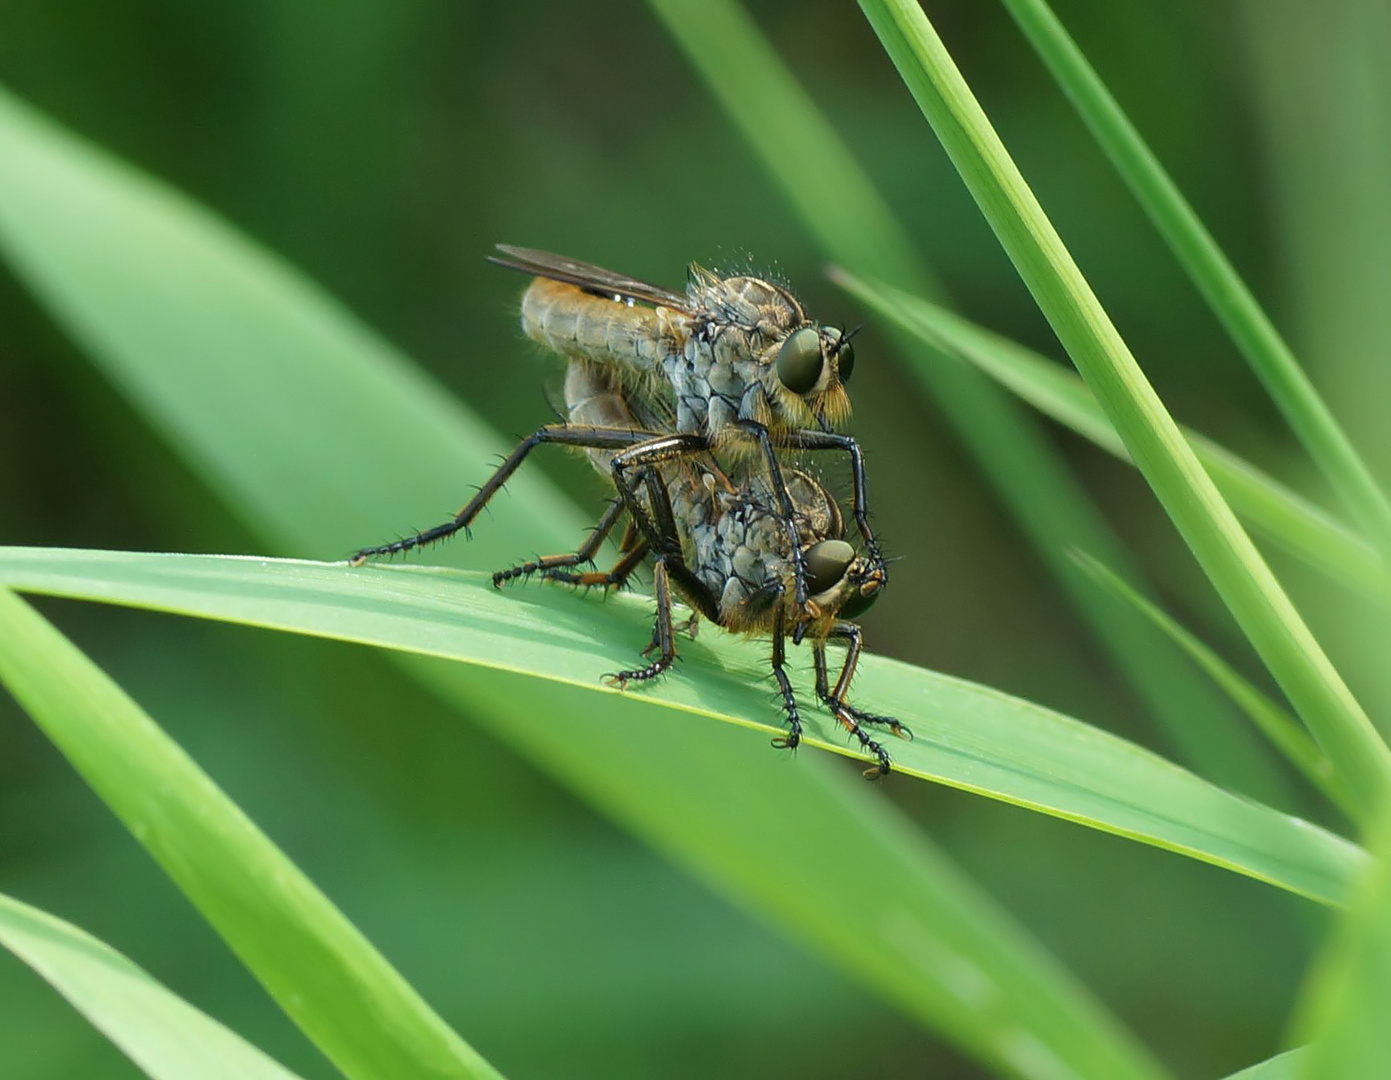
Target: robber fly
point(734, 360)
point(723, 549)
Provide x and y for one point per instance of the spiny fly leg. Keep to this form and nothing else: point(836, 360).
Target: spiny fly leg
point(549, 564)
point(850, 717)
point(614, 578)
point(866, 743)
point(588, 437)
point(789, 700)
point(662, 632)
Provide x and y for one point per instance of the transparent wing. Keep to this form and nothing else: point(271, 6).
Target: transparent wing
point(587, 276)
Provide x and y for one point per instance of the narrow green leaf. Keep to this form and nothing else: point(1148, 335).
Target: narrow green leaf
point(1345, 1002)
point(1255, 335)
point(1163, 455)
point(341, 992)
point(1284, 1066)
point(164, 1035)
point(1280, 514)
point(966, 735)
point(841, 209)
point(323, 438)
point(1275, 723)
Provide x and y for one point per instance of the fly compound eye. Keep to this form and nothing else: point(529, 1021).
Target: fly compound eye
point(845, 361)
point(799, 360)
point(826, 563)
point(859, 602)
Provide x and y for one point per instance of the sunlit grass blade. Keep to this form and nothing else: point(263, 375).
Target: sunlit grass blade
point(1286, 1066)
point(164, 1035)
point(322, 438)
point(1163, 455)
point(841, 209)
point(340, 991)
point(1280, 515)
point(1346, 1001)
point(966, 735)
point(1275, 723)
point(1255, 335)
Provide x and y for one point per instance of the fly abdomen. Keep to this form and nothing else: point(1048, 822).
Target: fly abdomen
point(574, 322)
point(594, 397)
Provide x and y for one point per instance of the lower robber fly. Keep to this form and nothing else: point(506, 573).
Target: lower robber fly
point(724, 551)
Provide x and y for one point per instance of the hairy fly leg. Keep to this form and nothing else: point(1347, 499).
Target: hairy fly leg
point(552, 563)
point(789, 700)
point(850, 717)
point(590, 438)
point(662, 632)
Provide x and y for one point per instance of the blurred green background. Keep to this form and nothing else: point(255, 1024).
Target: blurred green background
point(384, 148)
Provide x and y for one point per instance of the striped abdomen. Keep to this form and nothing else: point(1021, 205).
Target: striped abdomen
point(573, 322)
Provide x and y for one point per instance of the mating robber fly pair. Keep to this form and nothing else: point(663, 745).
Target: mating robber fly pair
point(684, 402)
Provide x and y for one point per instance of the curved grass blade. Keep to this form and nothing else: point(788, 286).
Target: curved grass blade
point(1275, 723)
point(340, 991)
point(1286, 1066)
point(966, 735)
point(1345, 1002)
point(164, 1035)
point(1221, 286)
point(1281, 515)
point(841, 209)
point(1163, 455)
point(320, 436)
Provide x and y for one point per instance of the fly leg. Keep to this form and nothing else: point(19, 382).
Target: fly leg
point(850, 717)
point(550, 565)
point(788, 514)
point(614, 578)
point(581, 435)
point(655, 521)
point(789, 701)
point(661, 633)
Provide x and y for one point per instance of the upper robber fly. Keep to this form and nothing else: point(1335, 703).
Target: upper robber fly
point(734, 359)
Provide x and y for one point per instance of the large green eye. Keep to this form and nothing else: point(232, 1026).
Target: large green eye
point(858, 604)
point(799, 360)
point(826, 564)
point(845, 361)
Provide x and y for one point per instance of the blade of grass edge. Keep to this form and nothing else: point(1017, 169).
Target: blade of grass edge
point(322, 972)
point(1221, 286)
point(1207, 524)
point(844, 213)
point(1346, 998)
point(967, 735)
point(165, 1036)
point(1284, 1066)
point(1281, 515)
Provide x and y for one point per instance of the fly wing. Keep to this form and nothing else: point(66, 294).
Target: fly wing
point(587, 276)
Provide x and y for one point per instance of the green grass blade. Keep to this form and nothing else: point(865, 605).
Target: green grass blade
point(340, 991)
point(1346, 1001)
point(841, 209)
point(1280, 515)
point(164, 1035)
point(968, 736)
point(1275, 723)
point(1163, 455)
point(322, 438)
point(1260, 343)
point(1284, 1066)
